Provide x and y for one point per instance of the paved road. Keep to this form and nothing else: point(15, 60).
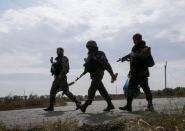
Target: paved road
point(31, 117)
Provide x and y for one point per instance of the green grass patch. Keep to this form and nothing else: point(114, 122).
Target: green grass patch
point(32, 101)
point(163, 122)
point(2, 126)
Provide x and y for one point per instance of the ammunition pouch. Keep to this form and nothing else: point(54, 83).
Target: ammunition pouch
point(92, 65)
point(56, 68)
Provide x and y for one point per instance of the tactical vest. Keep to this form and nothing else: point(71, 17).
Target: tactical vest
point(92, 65)
point(56, 68)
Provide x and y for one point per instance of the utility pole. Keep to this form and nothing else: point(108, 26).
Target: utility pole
point(24, 95)
point(116, 90)
point(165, 75)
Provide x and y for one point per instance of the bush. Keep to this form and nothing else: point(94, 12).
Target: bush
point(2, 126)
point(32, 101)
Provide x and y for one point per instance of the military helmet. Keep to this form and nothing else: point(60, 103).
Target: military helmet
point(91, 43)
point(60, 48)
point(137, 36)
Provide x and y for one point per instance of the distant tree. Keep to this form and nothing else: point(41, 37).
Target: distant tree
point(168, 92)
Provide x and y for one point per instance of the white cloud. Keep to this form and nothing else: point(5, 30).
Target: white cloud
point(101, 17)
point(20, 63)
point(30, 35)
point(17, 20)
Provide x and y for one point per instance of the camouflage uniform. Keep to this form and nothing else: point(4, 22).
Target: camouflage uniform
point(138, 74)
point(96, 75)
point(60, 82)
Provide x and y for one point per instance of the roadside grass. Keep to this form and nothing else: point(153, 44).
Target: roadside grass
point(168, 122)
point(24, 102)
point(2, 126)
point(150, 122)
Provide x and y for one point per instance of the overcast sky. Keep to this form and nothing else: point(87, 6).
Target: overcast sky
point(31, 30)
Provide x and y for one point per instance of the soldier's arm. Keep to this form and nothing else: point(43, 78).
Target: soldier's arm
point(127, 57)
point(104, 62)
point(65, 66)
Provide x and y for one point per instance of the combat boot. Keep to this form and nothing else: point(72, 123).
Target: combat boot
point(85, 105)
point(78, 105)
point(109, 107)
point(150, 106)
point(126, 108)
point(50, 108)
point(83, 108)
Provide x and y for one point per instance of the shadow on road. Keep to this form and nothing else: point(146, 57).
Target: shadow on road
point(94, 118)
point(55, 113)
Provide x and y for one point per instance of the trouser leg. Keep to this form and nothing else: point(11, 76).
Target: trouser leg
point(133, 83)
point(147, 91)
point(53, 91)
point(69, 94)
point(95, 83)
point(65, 88)
point(92, 91)
point(106, 96)
point(104, 93)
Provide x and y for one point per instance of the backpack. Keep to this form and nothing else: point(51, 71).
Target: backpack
point(150, 60)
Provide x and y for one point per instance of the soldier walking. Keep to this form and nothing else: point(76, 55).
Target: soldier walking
point(60, 69)
point(140, 59)
point(96, 63)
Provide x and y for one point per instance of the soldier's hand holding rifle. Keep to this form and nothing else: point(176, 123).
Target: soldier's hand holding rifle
point(125, 58)
point(120, 59)
point(52, 68)
point(72, 83)
point(80, 76)
point(51, 60)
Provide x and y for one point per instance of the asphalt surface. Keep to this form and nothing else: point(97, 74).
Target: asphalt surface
point(29, 118)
